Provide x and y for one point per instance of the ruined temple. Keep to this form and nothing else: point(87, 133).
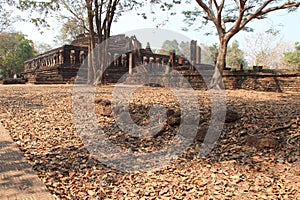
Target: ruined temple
point(61, 65)
point(124, 53)
point(58, 65)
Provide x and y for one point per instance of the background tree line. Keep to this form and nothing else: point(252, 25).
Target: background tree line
point(271, 55)
point(15, 48)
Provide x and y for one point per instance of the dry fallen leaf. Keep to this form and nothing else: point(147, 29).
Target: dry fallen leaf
point(40, 120)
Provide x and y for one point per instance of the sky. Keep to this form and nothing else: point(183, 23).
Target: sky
point(287, 23)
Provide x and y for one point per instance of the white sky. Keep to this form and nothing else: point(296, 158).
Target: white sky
point(287, 24)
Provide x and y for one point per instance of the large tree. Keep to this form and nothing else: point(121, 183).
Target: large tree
point(69, 31)
point(229, 18)
point(15, 48)
point(171, 45)
point(292, 59)
point(101, 15)
point(209, 53)
point(235, 56)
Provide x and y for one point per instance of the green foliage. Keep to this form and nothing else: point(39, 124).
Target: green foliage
point(42, 47)
point(297, 46)
point(235, 56)
point(15, 48)
point(182, 48)
point(292, 59)
point(171, 45)
point(209, 53)
point(69, 31)
point(185, 49)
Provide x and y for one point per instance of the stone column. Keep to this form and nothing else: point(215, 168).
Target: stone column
point(130, 63)
point(240, 67)
point(57, 58)
point(61, 57)
point(172, 58)
point(124, 60)
point(108, 58)
point(198, 55)
point(193, 47)
point(82, 57)
point(116, 59)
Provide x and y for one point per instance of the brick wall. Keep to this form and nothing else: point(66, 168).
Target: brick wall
point(263, 81)
point(232, 80)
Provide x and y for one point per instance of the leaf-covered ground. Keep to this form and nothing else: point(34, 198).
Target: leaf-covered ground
point(256, 157)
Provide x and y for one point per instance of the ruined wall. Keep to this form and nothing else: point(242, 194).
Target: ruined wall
point(263, 81)
point(279, 82)
point(276, 82)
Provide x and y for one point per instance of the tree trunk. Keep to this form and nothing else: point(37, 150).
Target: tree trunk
point(216, 82)
point(92, 43)
point(102, 53)
point(102, 61)
point(91, 62)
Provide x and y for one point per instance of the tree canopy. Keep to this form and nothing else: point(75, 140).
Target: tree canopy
point(292, 59)
point(235, 56)
point(70, 29)
point(171, 45)
point(15, 48)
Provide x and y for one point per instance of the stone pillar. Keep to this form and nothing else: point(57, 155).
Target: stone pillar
point(192, 67)
point(38, 64)
point(198, 55)
point(82, 57)
point(240, 67)
point(57, 58)
point(52, 60)
point(130, 63)
point(116, 59)
point(151, 60)
point(145, 60)
point(61, 57)
point(108, 59)
point(193, 47)
point(124, 60)
point(172, 58)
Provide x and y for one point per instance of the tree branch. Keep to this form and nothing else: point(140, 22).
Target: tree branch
point(210, 4)
point(112, 14)
point(284, 6)
point(219, 14)
point(211, 16)
point(74, 14)
point(260, 13)
point(216, 4)
point(238, 22)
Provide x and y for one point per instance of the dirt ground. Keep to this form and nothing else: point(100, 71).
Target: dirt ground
point(256, 156)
